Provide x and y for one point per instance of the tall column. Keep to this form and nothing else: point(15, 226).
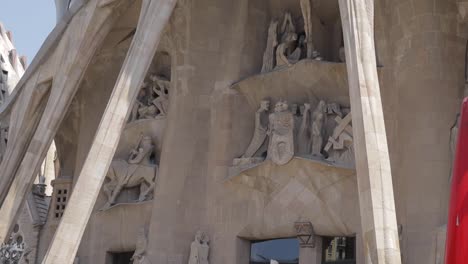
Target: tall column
point(153, 18)
point(36, 130)
point(376, 200)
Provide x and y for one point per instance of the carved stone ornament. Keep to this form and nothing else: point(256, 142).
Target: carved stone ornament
point(137, 171)
point(139, 257)
point(305, 234)
point(152, 100)
point(14, 251)
point(340, 144)
point(200, 249)
point(281, 132)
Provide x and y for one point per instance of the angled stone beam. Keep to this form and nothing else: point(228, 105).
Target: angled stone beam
point(77, 47)
point(376, 199)
point(153, 18)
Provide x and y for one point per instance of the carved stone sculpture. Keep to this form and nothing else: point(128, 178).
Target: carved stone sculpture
point(139, 257)
point(261, 128)
point(317, 128)
point(14, 250)
point(340, 145)
point(272, 42)
point(306, 8)
point(199, 249)
point(161, 88)
point(138, 170)
point(281, 131)
point(303, 136)
point(153, 99)
point(288, 41)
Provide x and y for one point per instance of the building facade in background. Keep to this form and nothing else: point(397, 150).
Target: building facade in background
point(247, 125)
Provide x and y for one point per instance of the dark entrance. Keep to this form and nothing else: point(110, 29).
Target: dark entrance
point(119, 257)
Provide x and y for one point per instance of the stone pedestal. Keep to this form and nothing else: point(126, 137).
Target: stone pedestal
point(311, 255)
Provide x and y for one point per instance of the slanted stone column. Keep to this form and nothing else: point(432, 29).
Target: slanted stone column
point(377, 205)
point(40, 109)
point(153, 18)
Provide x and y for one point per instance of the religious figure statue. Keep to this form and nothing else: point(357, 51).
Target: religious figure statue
point(152, 100)
point(288, 41)
point(317, 128)
point(199, 249)
point(161, 88)
point(138, 170)
point(306, 7)
point(340, 145)
point(261, 128)
point(139, 257)
point(303, 136)
point(272, 42)
point(281, 132)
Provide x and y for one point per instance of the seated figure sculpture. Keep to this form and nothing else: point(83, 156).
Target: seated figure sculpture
point(287, 45)
point(137, 171)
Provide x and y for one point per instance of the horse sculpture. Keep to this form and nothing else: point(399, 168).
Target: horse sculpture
point(138, 170)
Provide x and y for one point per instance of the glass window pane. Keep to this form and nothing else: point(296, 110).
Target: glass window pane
point(285, 251)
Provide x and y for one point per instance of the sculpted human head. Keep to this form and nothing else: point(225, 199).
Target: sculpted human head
point(265, 105)
point(199, 236)
point(147, 142)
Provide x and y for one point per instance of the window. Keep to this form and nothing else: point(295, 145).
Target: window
point(339, 250)
point(284, 251)
point(60, 202)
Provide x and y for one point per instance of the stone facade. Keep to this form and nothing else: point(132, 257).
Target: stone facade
point(187, 130)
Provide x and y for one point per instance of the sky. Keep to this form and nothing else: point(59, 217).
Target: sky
point(30, 21)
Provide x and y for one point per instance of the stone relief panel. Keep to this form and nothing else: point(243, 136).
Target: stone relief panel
point(291, 39)
point(323, 134)
point(15, 251)
point(200, 249)
point(153, 99)
point(138, 170)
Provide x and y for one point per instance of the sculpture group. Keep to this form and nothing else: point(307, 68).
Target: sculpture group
point(200, 249)
point(320, 133)
point(285, 46)
point(139, 170)
point(153, 99)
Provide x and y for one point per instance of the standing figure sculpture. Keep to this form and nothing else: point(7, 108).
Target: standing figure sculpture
point(261, 128)
point(199, 249)
point(303, 136)
point(281, 132)
point(138, 170)
point(139, 257)
point(306, 7)
point(272, 42)
point(317, 127)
